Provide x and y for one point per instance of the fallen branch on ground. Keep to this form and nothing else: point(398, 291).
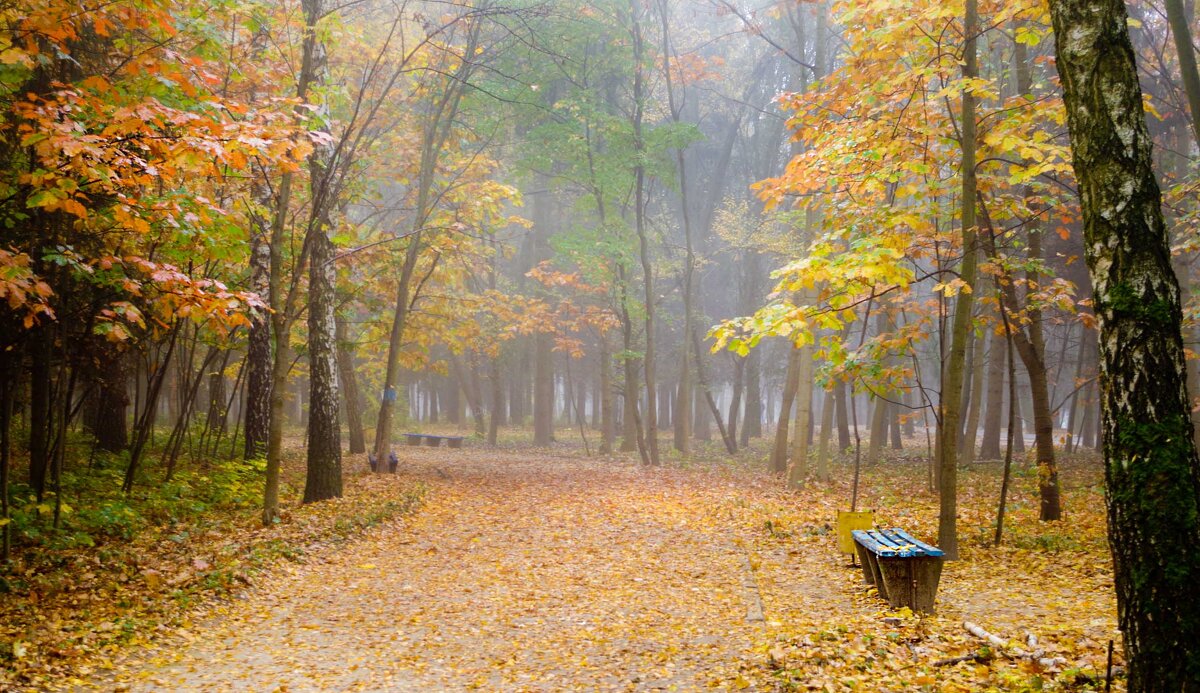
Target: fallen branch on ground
point(1002, 646)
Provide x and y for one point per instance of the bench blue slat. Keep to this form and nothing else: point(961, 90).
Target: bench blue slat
point(894, 543)
point(929, 550)
point(872, 541)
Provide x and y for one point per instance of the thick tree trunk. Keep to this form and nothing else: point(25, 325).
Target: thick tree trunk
point(324, 464)
point(1151, 466)
point(324, 472)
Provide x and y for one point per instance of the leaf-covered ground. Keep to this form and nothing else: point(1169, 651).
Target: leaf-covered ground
point(160, 557)
point(533, 571)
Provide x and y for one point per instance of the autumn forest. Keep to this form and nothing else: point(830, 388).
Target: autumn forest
point(841, 345)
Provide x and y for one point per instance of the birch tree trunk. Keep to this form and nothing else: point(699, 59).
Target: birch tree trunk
point(1151, 466)
point(258, 354)
point(323, 479)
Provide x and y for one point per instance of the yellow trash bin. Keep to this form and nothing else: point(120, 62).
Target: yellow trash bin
point(847, 522)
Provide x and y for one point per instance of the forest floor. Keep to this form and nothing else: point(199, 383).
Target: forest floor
point(547, 570)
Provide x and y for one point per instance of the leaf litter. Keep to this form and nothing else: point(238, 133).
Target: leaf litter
point(536, 571)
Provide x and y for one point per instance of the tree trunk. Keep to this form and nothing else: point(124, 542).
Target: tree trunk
point(822, 470)
point(543, 390)
point(639, 213)
point(702, 427)
point(752, 420)
point(216, 396)
point(803, 423)
point(8, 386)
point(324, 472)
point(989, 448)
point(497, 413)
point(894, 425)
point(39, 411)
point(608, 429)
point(350, 393)
point(951, 400)
point(843, 417)
point(323, 479)
point(966, 446)
point(258, 354)
point(1178, 20)
point(879, 430)
point(1151, 466)
point(629, 431)
point(735, 401)
point(112, 416)
point(779, 453)
point(435, 131)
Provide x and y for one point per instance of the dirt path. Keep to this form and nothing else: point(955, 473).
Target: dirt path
point(522, 573)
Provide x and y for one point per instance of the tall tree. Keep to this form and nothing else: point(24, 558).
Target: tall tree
point(323, 479)
point(1152, 470)
point(951, 400)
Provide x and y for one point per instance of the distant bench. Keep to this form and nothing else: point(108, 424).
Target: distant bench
point(415, 439)
point(906, 571)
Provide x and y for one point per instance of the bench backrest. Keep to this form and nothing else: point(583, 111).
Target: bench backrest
point(895, 543)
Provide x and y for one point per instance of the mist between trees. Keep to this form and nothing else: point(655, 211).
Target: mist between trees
point(799, 232)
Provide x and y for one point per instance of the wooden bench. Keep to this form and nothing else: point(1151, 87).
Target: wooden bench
point(432, 441)
point(906, 571)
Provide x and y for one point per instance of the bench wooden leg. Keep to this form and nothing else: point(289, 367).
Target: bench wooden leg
point(911, 582)
point(928, 575)
point(454, 443)
point(877, 577)
point(413, 441)
point(432, 441)
point(864, 557)
point(897, 576)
